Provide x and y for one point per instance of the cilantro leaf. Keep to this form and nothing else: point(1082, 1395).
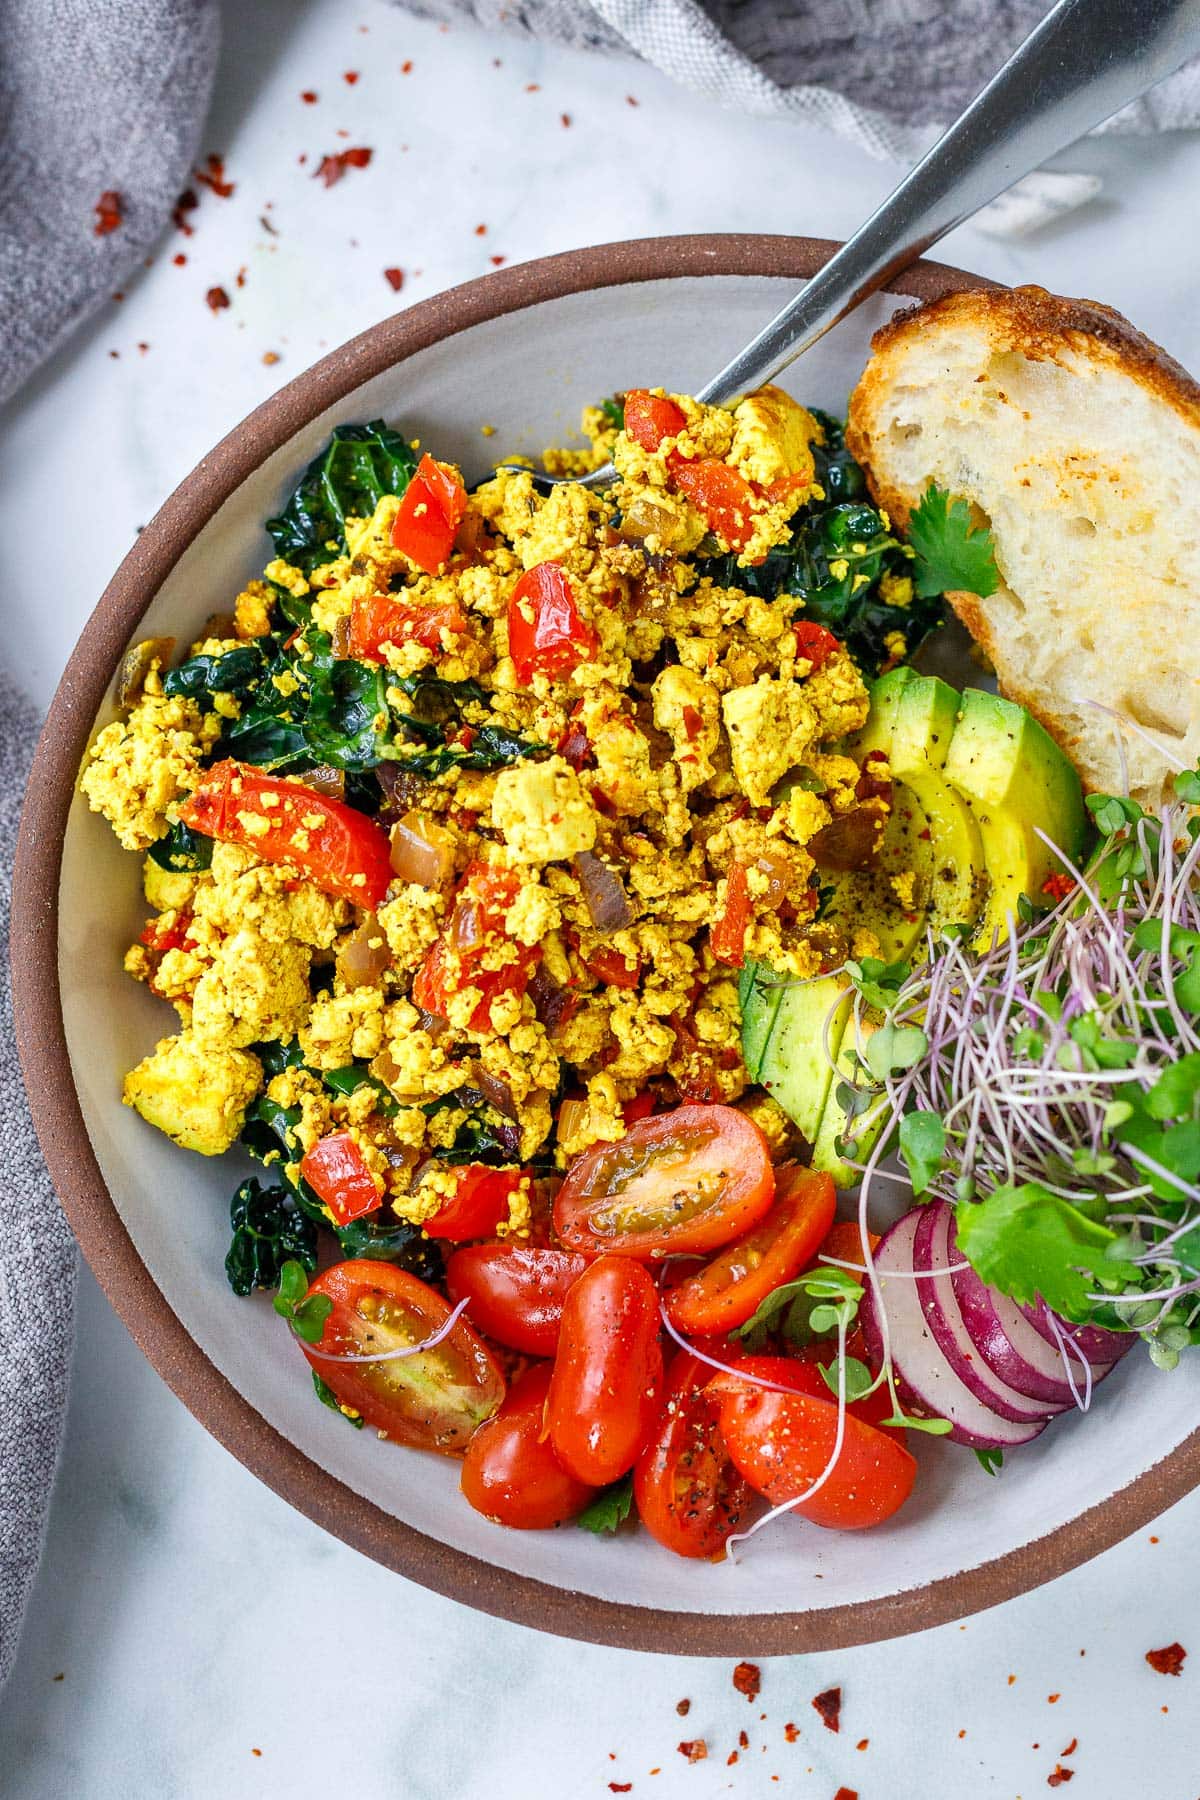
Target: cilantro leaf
point(952, 554)
point(1028, 1242)
point(922, 1145)
point(611, 1507)
point(992, 1461)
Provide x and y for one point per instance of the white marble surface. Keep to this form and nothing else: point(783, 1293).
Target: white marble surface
point(184, 1617)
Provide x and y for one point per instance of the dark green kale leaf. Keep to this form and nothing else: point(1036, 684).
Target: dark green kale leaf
point(395, 1241)
point(614, 413)
point(327, 1397)
point(268, 1230)
point(276, 1057)
point(355, 1075)
point(232, 672)
point(182, 850)
point(359, 465)
point(334, 714)
point(437, 714)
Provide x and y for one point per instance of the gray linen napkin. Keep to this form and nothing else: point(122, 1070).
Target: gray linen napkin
point(37, 1256)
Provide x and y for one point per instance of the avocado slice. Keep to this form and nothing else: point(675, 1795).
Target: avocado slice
point(832, 1126)
point(1013, 775)
point(759, 994)
point(923, 725)
point(876, 734)
point(795, 1067)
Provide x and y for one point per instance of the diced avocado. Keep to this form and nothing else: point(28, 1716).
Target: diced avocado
point(922, 728)
point(759, 990)
point(1016, 780)
point(197, 1095)
point(795, 1067)
point(166, 890)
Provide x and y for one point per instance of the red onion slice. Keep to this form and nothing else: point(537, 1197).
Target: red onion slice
point(932, 1252)
point(1101, 1348)
point(1002, 1333)
point(916, 1357)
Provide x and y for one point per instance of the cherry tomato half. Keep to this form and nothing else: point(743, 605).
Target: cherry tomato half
point(478, 1204)
point(516, 1291)
point(335, 1170)
point(547, 634)
point(782, 1444)
point(689, 1495)
point(607, 1388)
point(341, 850)
point(692, 1179)
point(725, 1294)
point(433, 1399)
point(429, 515)
point(802, 1375)
point(511, 1474)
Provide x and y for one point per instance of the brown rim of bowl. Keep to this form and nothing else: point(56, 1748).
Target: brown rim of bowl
point(63, 1135)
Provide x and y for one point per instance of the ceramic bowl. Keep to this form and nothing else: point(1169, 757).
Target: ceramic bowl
point(521, 351)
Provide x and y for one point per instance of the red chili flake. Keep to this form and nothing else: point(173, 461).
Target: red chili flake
point(256, 1752)
point(1153, 1540)
point(213, 176)
point(743, 1741)
point(302, 158)
point(533, 87)
point(179, 259)
point(350, 77)
point(1053, 1699)
point(747, 1679)
point(406, 66)
point(731, 1759)
point(118, 296)
point(845, 1793)
point(143, 348)
point(115, 354)
point(620, 1787)
point(1059, 1776)
point(695, 1749)
point(829, 1705)
point(496, 261)
point(217, 299)
point(962, 1734)
point(791, 1732)
point(481, 231)
point(187, 202)
point(862, 1743)
point(630, 101)
point(1057, 887)
point(333, 167)
point(1168, 1661)
point(309, 96)
point(1071, 1748)
point(394, 279)
point(1011, 1679)
point(240, 278)
point(110, 212)
point(683, 1708)
point(271, 357)
point(565, 117)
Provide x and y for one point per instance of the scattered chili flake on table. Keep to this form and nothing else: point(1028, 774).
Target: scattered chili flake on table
point(743, 1741)
point(845, 1793)
point(683, 1708)
point(334, 166)
point(394, 279)
point(213, 176)
point(187, 202)
point(1168, 1660)
point(143, 348)
point(240, 277)
point(791, 1732)
point(731, 1759)
point(270, 357)
point(350, 77)
point(267, 225)
point(533, 87)
point(110, 212)
point(630, 101)
point(481, 231)
point(565, 117)
point(1071, 1748)
point(310, 96)
point(862, 1743)
point(406, 66)
point(620, 1787)
point(1153, 1540)
point(1011, 1679)
point(1053, 1699)
point(1059, 1776)
point(256, 1752)
point(829, 1705)
point(179, 259)
point(695, 1749)
point(497, 260)
point(747, 1679)
point(217, 299)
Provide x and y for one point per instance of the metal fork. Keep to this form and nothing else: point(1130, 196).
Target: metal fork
point(1085, 61)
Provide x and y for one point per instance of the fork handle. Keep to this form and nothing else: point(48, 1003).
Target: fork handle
point(1085, 61)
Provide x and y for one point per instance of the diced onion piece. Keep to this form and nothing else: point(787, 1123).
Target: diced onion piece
point(603, 892)
point(571, 1115)
point(497, 1093)
point(135, 666)
point(644, 519)
point(422, 851)
point(364, 955)
point(327, 780)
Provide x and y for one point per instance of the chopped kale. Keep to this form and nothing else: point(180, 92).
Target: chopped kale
point(327, 1397)
point(182, 850)
point(395, 1242)
point(330, 710)
point(268, 1230)
point(235, 671)
point(359, 465)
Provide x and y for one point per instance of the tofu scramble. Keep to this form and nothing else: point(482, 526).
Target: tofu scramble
point(574, 874)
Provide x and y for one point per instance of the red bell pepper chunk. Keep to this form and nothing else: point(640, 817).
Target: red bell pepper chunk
point(547, 634)
point(610, 967)
point(476, 923)
point(336, 1172)
point(649, 418)
point(721, 493)
point(814, 643)
point(429, 515)
point(478, 1204)
point(378, 619)
point(727, 938)
point(340, 849)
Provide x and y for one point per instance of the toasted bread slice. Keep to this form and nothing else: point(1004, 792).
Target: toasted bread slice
point(1078, 441)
